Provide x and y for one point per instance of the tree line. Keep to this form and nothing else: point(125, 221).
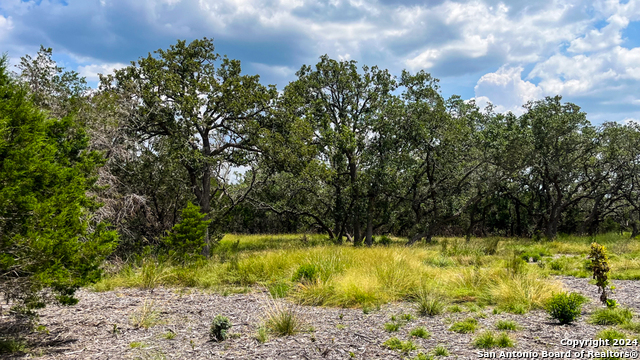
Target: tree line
point(346, 150)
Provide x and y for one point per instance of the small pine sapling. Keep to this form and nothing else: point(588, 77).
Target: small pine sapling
point(186, 239)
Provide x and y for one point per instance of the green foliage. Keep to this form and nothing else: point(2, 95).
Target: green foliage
point(146, 316)
point(428, 305)
point(396, 344)
point(611, 334)
point(506, 325)
point(564, 307)
point(440, 350)
point(611, 316)
point(186, 239)
point(12, 346)
point(392, 326)
point(466, 326)
point(489, 339)
point(306, 272)
point(219, 327)
point(600, 268)
point(420, 332)
point(282, 320)
point(632, 326)
point(48, 235)
point(383, 240)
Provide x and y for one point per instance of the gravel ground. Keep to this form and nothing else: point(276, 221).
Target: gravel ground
point(86, 331)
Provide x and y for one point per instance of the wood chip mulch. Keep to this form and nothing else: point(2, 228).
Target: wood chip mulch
point(101, 327)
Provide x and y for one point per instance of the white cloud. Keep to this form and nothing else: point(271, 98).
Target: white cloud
point(6, 25)
point(91, 71)
point(506, 90)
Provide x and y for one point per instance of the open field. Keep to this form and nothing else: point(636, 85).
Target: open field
point(350, 301)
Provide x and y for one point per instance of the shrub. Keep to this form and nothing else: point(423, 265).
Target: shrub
point(565, 308)
point(186, 239)
point(506, 325)
point(600, 268)
point(617, 316)
point(383, 240)
point(464, 327)
point(219, 327)
point(420, 332)
point(12, 346)
point(395, 344)
point(488, 340)
point(308, 272)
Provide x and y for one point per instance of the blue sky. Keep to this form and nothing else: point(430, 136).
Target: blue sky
point(505, 53)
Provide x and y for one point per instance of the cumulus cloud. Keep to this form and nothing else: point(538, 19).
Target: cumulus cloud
point(506, 88)
point(5, 26)
point(91, 71)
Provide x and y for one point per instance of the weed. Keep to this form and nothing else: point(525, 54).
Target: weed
point(219, 327)
point(469, 325)
point(395, 344)
point(169, 335)
point(420, 332)
point(340, 327)
point(440, 350)
point(506, 325)
point(262, 334)
point(146, 316)
point(407, 317)
point(617, 316)
point(564, 307)
point(12, 346)
point(137, 345)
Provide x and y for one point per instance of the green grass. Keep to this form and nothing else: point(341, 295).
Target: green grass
point(420, 332)
point(282, 320)
point(507, 325)
point(489, 339)
point(617, 316)
point(310, 270)
point(632, 326)
point(392, 326)
point(396, 344)
point(611, 334)
point(169, 335)
point(137, 345)
point(440, 350)
point(465, 327)
point(12, 346)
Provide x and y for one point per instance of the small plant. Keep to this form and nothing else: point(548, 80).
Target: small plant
point(383, 240)
point(632, 326)
point(219, 327)
point(600, 267)
point(420, 332)
point(611, 334)
point(137, 345)
point(352, 354)
point(407, 317)
point(12, 346)
point(146, 316)
point(306, 272)
point(186, 239)
point(262, 335)
point(488, 340)
point(422, 356)
point(469, 325)
point(392, 326)
point(169, 335)
point(506, 325)
point(395, 344)
point(429, 305)
point(564, 307)
point(617, 316)
point(283, 320)
point(454, 309)
point(440, 350)
point(340, 327)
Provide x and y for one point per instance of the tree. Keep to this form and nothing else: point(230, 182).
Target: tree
point(210, 118)
point(48, 239)
point(186, 239)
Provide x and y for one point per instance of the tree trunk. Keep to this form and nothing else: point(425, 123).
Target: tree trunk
point(369, 238)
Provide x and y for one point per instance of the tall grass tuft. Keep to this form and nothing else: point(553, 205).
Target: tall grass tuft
point(281, 319)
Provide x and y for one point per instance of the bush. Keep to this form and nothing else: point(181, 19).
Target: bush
point(617, 316)
point(383, 240)
point(564, 307)
point(464, 327)
point(186, 239)
point(219, 327)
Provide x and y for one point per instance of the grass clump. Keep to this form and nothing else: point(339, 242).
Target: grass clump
point(137, 345)
point(306, 272)
point(392, 326)
point(466, 326)
point(422, 356)
point(219, 327)
point(169, 335)
point(429, 305)
point(489, 339)
point(507, 325)
point(395, 344)
point(632, 326)
point(611, 316)
point(564, 307)
point(440, 350)
point(283, 320)
point(454, 309)
point(146, 316)
point(611, 334)
point(420, 332)
point(262, 334)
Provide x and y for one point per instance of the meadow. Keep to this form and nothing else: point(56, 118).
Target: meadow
point(510, 274)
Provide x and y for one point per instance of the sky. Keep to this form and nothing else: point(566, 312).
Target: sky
point(506, 53)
